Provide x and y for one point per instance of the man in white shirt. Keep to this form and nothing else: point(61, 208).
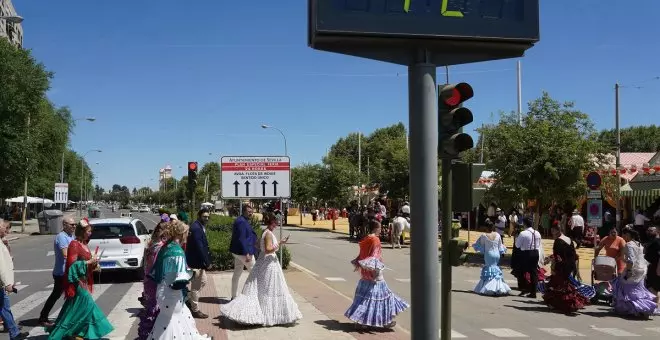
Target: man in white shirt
point(7, 286)
point(500, 225)
point(405, 209)
point(528, 243)
point(577, 228)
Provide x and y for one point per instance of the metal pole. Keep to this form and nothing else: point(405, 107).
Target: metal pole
point(519, 93)
point(82, 174)
point(25, 184)
point(483, 141)
point(62, 170)
point(359, 154)
point(618, 155)
point(445, 284)
point(281, 222)
point(423, 122)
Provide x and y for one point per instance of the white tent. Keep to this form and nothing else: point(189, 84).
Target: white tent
point(30, 200)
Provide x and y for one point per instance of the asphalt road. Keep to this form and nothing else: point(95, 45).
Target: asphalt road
point(115, 293)
point(326, 255)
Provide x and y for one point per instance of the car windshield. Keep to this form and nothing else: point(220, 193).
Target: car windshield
point(106, 231)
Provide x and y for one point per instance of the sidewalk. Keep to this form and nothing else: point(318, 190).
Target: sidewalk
point(31, 226)
point(341, 227)
point(321, 306)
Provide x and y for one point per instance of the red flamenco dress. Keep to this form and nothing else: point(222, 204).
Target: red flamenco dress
point(560, 292)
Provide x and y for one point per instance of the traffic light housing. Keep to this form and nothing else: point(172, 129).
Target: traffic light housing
point(465, 196)
point(456, 249)
point(452, 116)
point(192, 176)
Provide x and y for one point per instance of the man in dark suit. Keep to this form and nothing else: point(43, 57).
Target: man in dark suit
point(242, 246)
point(198, 257)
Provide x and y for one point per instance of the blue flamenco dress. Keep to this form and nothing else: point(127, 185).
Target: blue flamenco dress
point(491, 282)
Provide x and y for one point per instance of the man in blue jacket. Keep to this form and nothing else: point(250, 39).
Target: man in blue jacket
point(198, 257)
point(242, 246)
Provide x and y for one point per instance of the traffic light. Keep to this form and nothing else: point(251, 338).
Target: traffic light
point(465, 196)
point(452, 117)
point(192, 176)
point(456, 249)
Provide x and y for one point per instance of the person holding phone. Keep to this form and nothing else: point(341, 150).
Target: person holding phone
point(265, 299)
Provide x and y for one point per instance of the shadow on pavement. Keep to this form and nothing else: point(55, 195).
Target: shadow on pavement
point(29, 323)
point(225, 323)
point(104, 277)
point(213, 300)
point(538, 309)
point(348, 327)
point(310, 229)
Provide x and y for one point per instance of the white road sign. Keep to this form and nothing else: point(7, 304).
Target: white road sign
point(61, 193)
point(256, 177)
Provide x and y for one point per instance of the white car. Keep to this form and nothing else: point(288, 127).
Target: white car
point(122, 244)
point(135, 208)
point(144, 208)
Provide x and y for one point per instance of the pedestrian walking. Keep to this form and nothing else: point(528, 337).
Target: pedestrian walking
point(149, 301)
point(60, 246)
point(198, 257)
point(242, 247)
point(7, 282)
point(528, 243)
point(491, 281)
point(577, 228)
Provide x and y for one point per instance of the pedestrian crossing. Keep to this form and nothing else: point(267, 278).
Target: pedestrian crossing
point(592, 332)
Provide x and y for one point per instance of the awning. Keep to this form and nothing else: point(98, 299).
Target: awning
point(642, 198)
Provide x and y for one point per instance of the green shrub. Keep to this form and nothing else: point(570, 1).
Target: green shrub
point(218, 233)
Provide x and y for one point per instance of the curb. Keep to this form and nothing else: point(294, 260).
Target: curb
point(318, 228)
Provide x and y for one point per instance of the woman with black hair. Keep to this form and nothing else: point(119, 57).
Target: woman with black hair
point(630, 295)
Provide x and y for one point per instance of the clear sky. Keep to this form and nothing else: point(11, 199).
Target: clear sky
point(172, 81)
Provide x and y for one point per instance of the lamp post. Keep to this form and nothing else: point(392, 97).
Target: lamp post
point(89, 119)
point(82, 180)
point(286, 153)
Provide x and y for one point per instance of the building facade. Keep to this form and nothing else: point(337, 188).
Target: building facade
point(10, 30)
point(163, 177)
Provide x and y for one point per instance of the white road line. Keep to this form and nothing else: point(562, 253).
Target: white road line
point(311, 245)
point(32, 270)
point(504, 333)
point(614, 331)
point(119, 317)
point(303, 269)
point(20, 287)
point(335, 279)
point(403, 280)
point(507, 281)
point(40, 331)
point(454, 334)
point(29, 303)
point(561, 332)
point(50, 286)
point(653, 329)
point(50, 253)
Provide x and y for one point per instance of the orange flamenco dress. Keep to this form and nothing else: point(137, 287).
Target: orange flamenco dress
point(79, 316)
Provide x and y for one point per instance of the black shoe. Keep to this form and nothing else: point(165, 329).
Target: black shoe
point(20, 336)
point(522, 293)
point(45, 323)
point(531, 295)
point(199, 315)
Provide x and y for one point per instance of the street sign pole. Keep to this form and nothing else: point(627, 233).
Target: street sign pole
point(423, 121)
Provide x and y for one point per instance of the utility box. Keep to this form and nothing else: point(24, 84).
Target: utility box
point(50, 221)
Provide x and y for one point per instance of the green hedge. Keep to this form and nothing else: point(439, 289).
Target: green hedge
point(218, 233)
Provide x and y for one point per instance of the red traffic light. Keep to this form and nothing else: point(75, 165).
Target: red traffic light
point(453, 95)
point(192, 166)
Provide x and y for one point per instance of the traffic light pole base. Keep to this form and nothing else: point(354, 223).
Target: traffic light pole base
point(423, 122)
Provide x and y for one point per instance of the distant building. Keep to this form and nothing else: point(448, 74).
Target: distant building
point(164, 175)
point(10, 30)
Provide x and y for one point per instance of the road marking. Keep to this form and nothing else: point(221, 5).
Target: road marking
point(504, 333)
point(335, 279)
point(614, 331)
point(50, 253)
point(32, 270)
point(507, 281)
point(20, 287)
point(454, 334)
point(403, 280)
point(311, 245)
point(653, 329)
point(40, 331)
point(561, 332)
point(50, 286)
point(119, 317)
point(9, 239)
point(26, 305)
point(303, 269)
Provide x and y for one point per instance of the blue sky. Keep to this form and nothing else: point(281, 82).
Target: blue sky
point(172, 81)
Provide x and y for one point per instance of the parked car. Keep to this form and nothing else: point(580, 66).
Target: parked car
point(122, 243)
point(144, 208)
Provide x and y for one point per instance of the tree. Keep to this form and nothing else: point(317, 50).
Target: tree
point(547, 157)
point(634, 139)
point(305, 182)
point(212, 170)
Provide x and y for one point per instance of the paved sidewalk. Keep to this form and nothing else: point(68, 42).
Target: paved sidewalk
point(31, 227)
point(321, 306)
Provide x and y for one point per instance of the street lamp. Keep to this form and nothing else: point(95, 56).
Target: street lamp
point(82, 175)
point(89, 119)
point(286, 153)
point(86, 189)
point(14, 19)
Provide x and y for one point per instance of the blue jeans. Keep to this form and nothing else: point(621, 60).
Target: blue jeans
point(6, 315)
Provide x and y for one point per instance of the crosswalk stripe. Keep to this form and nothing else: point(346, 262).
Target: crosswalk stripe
point(50, 253)
point(119, 317)
point(335, 279)
point(454, 334)
point(504, 333)
point(29, 303)
point(561, 332)
point(654, 329)
point(98, 291)
point(403, 280)
point(20, 287)
point(507, 281)
point(615, 332)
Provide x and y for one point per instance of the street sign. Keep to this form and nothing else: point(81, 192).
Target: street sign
point(455, 32)
point(255, 177)
point(594, 181)
point(595, 213)
point(594, 194)
point(61, 193)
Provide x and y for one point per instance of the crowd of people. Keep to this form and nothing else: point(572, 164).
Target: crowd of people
point(634, 289)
